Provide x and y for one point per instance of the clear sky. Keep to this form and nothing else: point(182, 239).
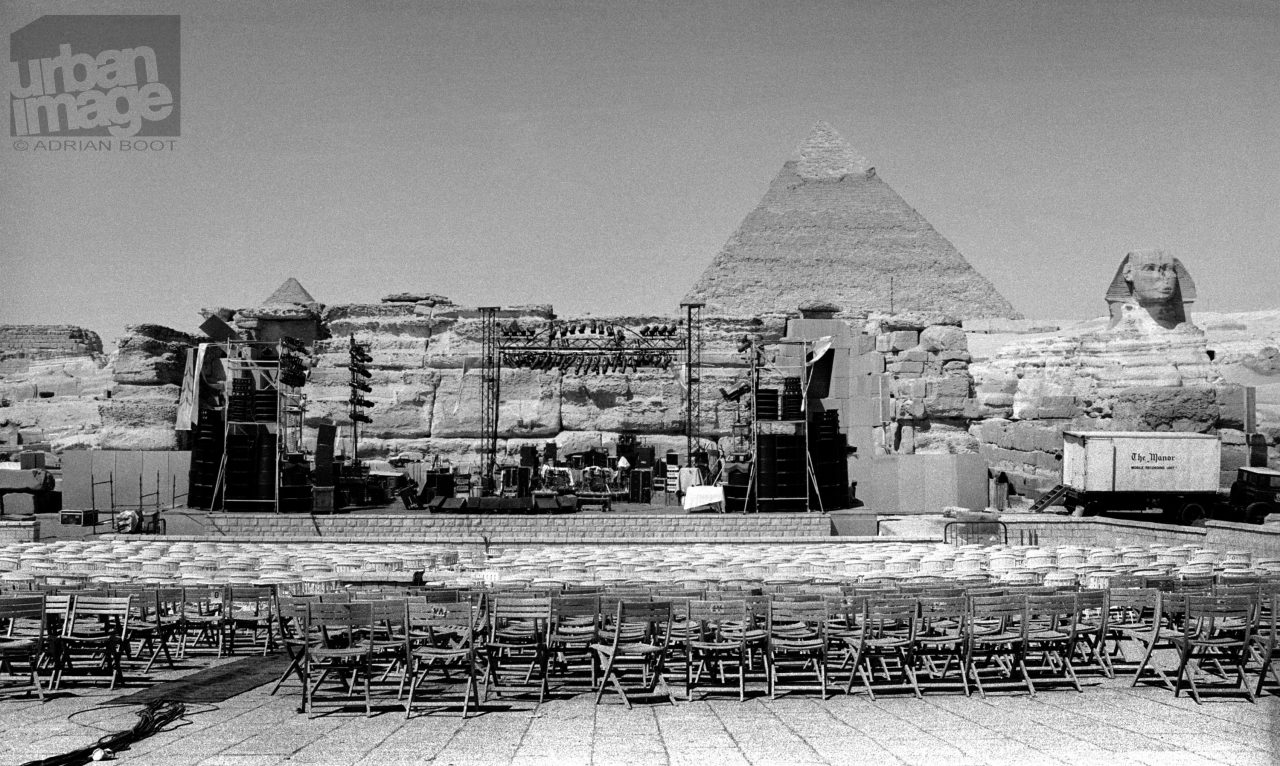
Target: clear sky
point(596, 155)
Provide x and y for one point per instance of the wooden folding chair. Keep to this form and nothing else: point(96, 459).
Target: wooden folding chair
point(640, 644)
point(1218, 630)
point(202, 615)
point(797, 646)
point(940, 641)
point(1052, 632)
point(888, 635)
point(516, 646)
point(247, 609)
point(1091, 629)
point(996, 639)
point(715, 639)
point(1265, 640)
point(574, 627)
point(1167, 624)
point(291, 621)
point(23, 629)
point(440, 636)
point(94, 632)
point(340, 647)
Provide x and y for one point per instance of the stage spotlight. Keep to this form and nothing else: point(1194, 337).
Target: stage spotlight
point(737, 393)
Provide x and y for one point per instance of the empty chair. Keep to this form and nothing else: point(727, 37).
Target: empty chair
point(515, 647)
point(1266, 639)
point(716, 640)
point(574, 627)
point(797, 646)
point(22, 636)
point(1052, 632)
point(440, 637)
point(339, 647)
point(1166, 626)
point(1217, 629)
point(1091, 629)
point(291, 620)
point(632, 652)
point(888, 636)
point(941, 637)
point(93, 634)
point(997, 636)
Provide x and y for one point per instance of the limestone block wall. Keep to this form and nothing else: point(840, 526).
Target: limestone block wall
point(499, 528)
point(19, 531)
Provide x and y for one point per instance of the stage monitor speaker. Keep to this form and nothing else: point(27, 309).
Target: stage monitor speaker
point(326, 436)
point(546, 504)
point(567, 502)
point(454, 504)
point(437, 503)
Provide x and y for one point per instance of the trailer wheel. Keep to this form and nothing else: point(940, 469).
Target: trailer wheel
point(1192, 515)
point(1257, 512)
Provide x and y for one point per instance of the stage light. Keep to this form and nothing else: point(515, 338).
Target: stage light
point(737, 393)
point(360, 417)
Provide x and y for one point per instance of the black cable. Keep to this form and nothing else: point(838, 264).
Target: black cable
point(152, 718)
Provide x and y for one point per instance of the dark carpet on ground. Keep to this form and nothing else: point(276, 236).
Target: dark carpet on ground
point(217, 684)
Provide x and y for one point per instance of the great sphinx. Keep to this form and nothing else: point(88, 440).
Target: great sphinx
point(1150, 287)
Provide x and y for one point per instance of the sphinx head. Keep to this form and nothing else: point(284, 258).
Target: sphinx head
point(1153, 282)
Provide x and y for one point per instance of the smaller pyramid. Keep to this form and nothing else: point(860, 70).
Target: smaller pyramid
point(291, 291)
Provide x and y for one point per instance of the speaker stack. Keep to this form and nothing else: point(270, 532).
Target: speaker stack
point(827, 449)
point(766, 404)
point(641, 490)
point(264, 406)
point(295, 488)
point(240, 405)
point(791, 406)
point(206, 454)
point(645, 457)
point(529, 456)
point(780, 461)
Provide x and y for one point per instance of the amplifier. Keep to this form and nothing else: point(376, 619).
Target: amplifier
point(78, 518)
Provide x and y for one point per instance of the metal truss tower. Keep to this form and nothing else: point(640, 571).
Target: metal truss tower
point(693, 376)
point(491, 377)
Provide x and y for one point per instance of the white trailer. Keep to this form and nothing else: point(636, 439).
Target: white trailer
point(1134, 470)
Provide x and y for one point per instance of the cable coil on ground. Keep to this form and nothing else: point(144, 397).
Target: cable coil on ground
point(151, 719)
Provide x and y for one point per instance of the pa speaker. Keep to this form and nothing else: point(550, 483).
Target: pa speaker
point(326, 435)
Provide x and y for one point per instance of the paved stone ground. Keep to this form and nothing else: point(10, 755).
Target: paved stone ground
point(1108, 724)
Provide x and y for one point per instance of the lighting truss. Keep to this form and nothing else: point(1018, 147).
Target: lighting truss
point(587, 347)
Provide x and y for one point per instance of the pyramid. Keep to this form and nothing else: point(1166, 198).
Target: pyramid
point(830, 229)
point(291, 291)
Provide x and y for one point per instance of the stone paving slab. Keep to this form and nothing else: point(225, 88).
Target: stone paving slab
point(1109, 723)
